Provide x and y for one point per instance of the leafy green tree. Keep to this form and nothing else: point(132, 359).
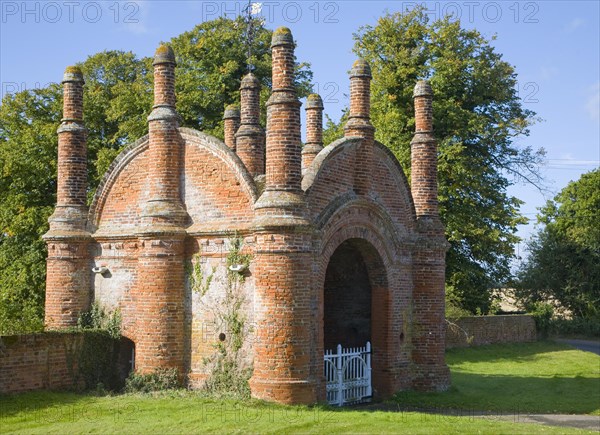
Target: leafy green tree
point(477, 116)
point(564, 256)
point(117, 100)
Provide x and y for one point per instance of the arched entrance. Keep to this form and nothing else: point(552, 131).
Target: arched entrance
point(347, 298)
point(355, 307)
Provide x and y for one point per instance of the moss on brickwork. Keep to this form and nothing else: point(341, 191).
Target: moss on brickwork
point(164, 50)
point(282, 31)
point(73, 70)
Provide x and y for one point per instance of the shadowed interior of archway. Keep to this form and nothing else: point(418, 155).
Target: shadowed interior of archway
point(356, 304)
point(347, 296)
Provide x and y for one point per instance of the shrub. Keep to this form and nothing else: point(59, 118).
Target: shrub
point(583, 326)
point(159, 380)
point(542, 314)
point(98, 360)
point(98, 318)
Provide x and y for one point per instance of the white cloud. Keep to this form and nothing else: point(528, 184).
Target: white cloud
point(592, 104)
point(573, 25)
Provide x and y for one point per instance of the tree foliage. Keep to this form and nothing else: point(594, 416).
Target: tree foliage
point(564, 256)
point(477, 116)
point(117, 100)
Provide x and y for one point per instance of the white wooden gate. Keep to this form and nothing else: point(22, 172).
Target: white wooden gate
point(348, 375)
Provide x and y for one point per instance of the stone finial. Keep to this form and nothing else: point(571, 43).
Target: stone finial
point(314, 101)
point(164, 54)
point(73, 74)
point(422, 88)
point(249, 82)
point(282, 36)
point(231, 121)
point(231, 112)
point(360, 68)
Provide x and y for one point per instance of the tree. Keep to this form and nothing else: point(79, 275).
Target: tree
point(477, 116)
point(117, 100)
point(564, 256)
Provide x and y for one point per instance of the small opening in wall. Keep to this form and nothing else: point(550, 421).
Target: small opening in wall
point(401, 337)
point(222, 337)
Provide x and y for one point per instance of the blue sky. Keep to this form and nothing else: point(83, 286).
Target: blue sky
point(554, 46)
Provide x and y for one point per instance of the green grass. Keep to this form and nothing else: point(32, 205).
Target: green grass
point(540, 377)
point(61, 413)
point(509, 379)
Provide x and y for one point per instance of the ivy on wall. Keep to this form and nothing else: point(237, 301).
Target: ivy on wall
point(227, 373)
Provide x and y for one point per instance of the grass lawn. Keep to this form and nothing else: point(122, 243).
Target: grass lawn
point(540, 377)
point(62, 413)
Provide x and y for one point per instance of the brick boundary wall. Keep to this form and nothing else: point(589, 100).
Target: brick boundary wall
point(483, 330)
point(52, 361)
point(49, 360)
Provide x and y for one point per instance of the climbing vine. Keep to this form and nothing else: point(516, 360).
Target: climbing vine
point(198, 282)
point(227, 374)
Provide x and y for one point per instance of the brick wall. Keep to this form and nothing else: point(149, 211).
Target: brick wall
point(482, 330)
point(61, 360)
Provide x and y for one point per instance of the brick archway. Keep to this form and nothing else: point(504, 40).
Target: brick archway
point(365, 303)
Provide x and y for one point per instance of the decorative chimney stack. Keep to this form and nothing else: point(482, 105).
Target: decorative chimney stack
point(430, 255)
point(250, 137)
point(71, 196)
point(284, 317)
point(283, 198)
point(159, 292)
point(231, 121)
point(314, 130)
point(165, 150)
point(424, 155)
point(68, 274)
point(359, 124)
